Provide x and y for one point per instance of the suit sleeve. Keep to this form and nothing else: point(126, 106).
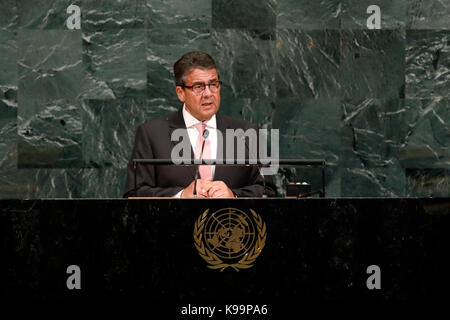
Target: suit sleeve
point(255, 187)
point(145, 174)
point(257, 184)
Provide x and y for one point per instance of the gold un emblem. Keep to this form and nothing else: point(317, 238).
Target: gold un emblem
point(229, 238)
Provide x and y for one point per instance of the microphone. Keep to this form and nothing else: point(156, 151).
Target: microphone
point(205, 136)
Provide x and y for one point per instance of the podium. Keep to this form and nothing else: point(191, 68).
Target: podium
point(314, 249)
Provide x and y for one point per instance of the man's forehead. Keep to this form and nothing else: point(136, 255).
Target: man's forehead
point(199, 75)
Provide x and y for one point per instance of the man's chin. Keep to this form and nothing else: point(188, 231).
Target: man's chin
point(208, 112)
point(206, 116)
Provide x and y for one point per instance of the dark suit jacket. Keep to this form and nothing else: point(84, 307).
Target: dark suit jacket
point(153, 141)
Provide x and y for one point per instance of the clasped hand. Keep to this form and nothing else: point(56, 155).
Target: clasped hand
point(208, 189)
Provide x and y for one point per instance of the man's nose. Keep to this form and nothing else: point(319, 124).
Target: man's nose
point(207, 91)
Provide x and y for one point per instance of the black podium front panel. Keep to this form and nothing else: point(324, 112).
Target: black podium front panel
point(310, 248)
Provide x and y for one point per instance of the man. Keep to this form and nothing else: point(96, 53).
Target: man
point(198, 87)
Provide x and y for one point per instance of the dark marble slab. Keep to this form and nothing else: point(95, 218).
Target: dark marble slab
point(251, 14)
point(102, 139)
point(8, 15)
point(101, 15)
point(373, 132)
point(354, 13)
point(246, 60)
point(49, 65)
point(49, 134)
point(428, 14)
point(114, 61)
point(308, 15)
point(427, 64)
point(308, 64)
point(178, 14)
point(427, 140)
point(317, 249)
point(372, 64)
point(8, 48)
point(312, 128)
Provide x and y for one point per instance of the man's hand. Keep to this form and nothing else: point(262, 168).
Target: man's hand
point(202, 191)
point(217, 189)
point(208, 189)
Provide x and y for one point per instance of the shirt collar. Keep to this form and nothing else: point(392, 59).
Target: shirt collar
point(191, 121)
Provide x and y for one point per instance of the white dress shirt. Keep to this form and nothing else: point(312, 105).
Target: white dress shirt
point(211, 126)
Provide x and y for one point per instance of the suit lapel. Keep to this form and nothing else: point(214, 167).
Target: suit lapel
point(176, 121)
point(220, 171)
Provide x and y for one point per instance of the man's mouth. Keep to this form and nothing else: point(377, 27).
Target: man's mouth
point(207, 104)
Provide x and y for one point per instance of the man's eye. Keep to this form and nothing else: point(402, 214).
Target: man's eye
point(214, 84)
point(198, 87)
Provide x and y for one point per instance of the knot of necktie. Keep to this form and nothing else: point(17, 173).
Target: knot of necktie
point(200, 127)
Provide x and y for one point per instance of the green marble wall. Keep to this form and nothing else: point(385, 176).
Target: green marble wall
point(373, 103)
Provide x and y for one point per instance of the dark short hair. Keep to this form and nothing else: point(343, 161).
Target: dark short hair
point(190, 61)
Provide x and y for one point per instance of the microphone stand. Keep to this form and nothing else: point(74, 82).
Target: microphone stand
point(205, 136)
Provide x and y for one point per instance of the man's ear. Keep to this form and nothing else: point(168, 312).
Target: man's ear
point(180, 93)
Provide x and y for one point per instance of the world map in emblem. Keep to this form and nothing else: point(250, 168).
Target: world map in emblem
point(229, 238)
point(229, 233)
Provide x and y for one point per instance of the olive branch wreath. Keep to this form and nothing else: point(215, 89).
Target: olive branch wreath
point(214, 261)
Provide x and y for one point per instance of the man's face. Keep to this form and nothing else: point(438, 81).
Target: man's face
point(204, 105)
